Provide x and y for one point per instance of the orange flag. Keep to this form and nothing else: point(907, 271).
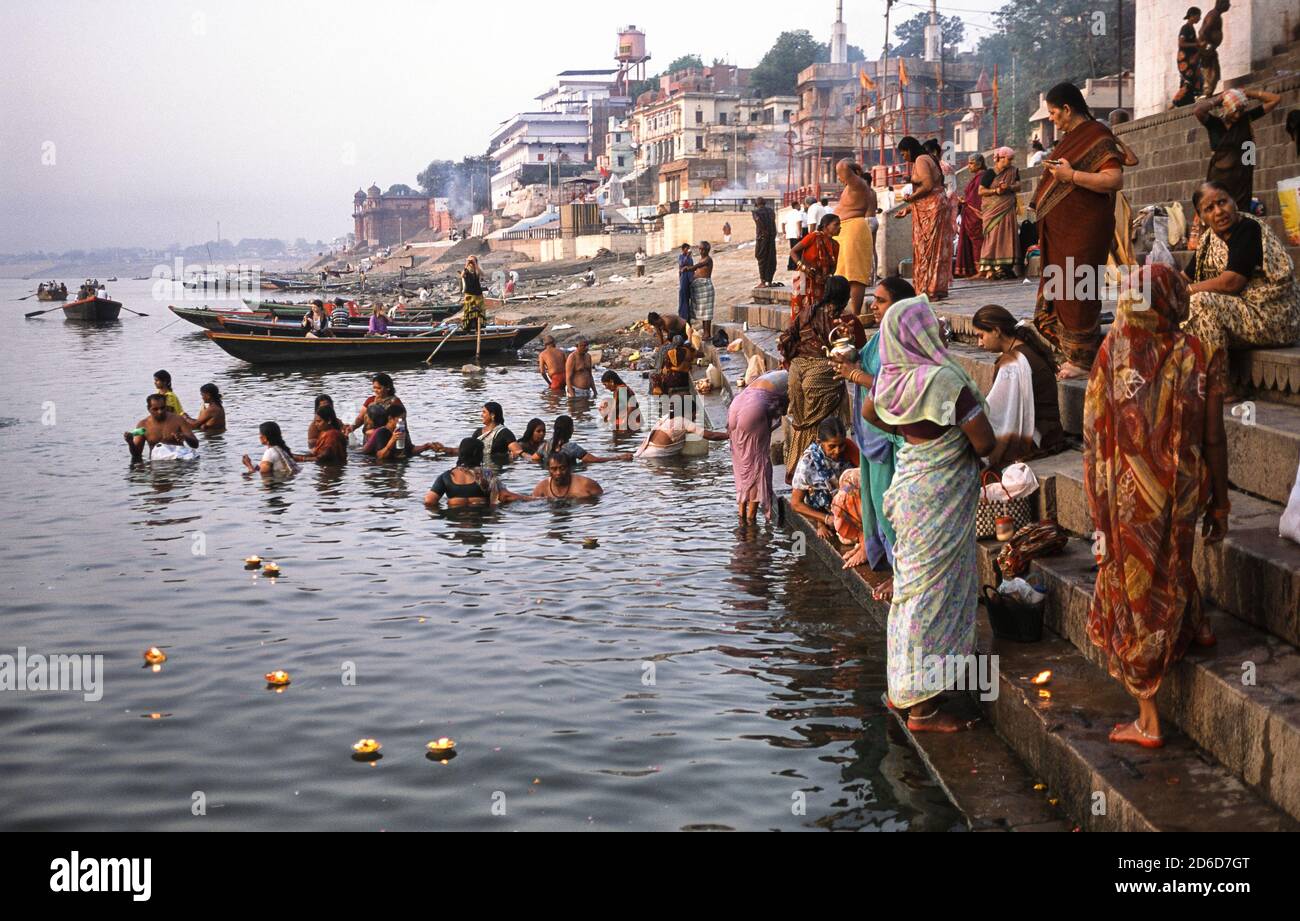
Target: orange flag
point(902, 73)
point(867, 82)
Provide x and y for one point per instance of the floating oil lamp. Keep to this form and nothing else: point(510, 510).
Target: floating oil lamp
point(590, 543)
point(441, 747)
point(1044, 694)
point(270, 569)
point(155, 656)
point(366, 750)
point(277, 678)
point(253, 562)
point(1042, 677)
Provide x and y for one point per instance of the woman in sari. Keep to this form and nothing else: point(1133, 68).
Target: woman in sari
point(751, 419)
point(998, 190)
point(815, 257)
point(922, 394)
point(877, 448)
point(816, 480)
point(1244, 290)
point(330, 445)
point(971, 240)
point(1154, 452)
point(1075, 205)
point(1023, 407)
point(931, 221)
point(1189, 60)
point(815, 392)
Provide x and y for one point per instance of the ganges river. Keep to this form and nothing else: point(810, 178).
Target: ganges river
point(684, 674)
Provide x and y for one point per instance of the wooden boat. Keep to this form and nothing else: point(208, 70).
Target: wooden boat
point(93, 310)
point(52, 294)
point(276, 350)
point(208, 318)
point(288, 326)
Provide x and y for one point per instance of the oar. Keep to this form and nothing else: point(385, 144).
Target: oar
point(429, 360)
point(33, 294)
point(136, 312)
point(37, 313)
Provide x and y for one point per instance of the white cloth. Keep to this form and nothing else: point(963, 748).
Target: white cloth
point(815, 215)
point(1037, 157)
point(172, 452)
point(791, 224)
point(1011, 401)
point(676, 428)
point(281, 463)
point(1289, 527)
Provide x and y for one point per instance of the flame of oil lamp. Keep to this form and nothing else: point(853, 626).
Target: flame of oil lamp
point(366, 747)
point(1041, 678)
point(155, 656)
point(277, 678)
point(253, 562)
point(1046, 695)
point(271, 569)
point(440, 746)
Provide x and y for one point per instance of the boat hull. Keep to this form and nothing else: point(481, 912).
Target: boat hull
point(272, 326)
point(93, 310)
point(47, 296)
point(276, 350)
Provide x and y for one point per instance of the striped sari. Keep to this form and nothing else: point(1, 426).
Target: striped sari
point(999, 249)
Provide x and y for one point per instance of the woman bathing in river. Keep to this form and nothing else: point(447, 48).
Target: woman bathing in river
point(469, 483)
point(277, 460)
point(212, 418)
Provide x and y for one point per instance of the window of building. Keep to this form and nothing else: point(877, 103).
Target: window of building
point(753, 116)
point(699, 142)
point(620, 161)
point(699, 116)
point(722, 118)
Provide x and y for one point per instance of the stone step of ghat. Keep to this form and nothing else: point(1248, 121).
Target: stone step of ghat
point(1061, 742)
point(1235, 701)
point(1253, 574)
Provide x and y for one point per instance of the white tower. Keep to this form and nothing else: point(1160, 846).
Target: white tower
point(839, 36)
point(933, 34)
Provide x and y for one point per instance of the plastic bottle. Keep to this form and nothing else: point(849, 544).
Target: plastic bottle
point(401, 434)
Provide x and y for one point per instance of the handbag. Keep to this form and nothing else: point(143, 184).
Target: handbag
point(987, 512)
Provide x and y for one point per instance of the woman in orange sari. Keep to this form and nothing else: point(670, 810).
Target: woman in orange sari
point(1154, 453)
point(815, 257)
point(931, 221)
point(971, 240)
point(1075, 204)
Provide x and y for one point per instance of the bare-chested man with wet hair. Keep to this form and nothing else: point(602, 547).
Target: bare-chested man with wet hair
point(161, 426)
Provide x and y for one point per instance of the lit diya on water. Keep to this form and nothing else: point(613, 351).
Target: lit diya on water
point(277, 678)
point(253, 562)
point(366, 747)
point(441, 746)
point(155, 656)
point(270, 569)
point(590, 543)
point(1042, 677)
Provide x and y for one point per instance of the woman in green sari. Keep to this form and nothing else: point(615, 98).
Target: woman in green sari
point(876, 448)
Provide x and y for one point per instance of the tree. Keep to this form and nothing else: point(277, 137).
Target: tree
point(777, 74)
point(466, 185)
point(685, 62)
point(911, 35)
point(400, 189)
point(1043, 42)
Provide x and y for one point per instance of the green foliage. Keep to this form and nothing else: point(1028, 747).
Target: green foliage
point(911, 35)
point(778, 72)
point(1043, 42)
point(686, 62)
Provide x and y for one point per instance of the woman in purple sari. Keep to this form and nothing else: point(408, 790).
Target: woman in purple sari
point(750, 421)
point(971, 239)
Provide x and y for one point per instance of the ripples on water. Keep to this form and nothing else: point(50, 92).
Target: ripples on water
point(497, 629)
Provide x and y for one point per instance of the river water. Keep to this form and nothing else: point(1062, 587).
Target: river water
point(685, 674)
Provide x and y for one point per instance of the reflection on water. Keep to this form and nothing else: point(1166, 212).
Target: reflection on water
point(687, 672)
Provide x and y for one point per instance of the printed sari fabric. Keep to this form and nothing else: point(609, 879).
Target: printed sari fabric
point(932, 243)
point(820, 255)
point(931, 504)
point(818, 476)
point(815, 394)
point(998, 252)
point(970, 243)
point(919, 380)
point(1189, 67)
point(877, 450)
point(1146, 479)
point(1075, 229)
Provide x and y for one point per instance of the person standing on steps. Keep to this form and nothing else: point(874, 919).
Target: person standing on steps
point(685, 275)
point(856, 259)
point(1189, 60)
point(764, 242)
point(1211, 38)
point(703, 294)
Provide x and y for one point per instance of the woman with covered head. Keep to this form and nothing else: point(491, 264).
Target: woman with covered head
point(1076, 225)
point(998, 190)
point(1155, 455)
point(922, 394)
point(815, 392)
point(1244, 292)
point(970, 240)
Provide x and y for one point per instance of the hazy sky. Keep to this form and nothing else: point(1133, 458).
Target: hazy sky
point(142, 122)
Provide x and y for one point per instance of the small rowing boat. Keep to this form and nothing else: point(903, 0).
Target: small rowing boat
point(92, 310)
point(263, 349)
point(278, 326)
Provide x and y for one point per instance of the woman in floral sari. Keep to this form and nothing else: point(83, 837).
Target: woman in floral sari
point(1075, 204)
point(815, 257)
point(931, 221)
point(923, 394)
point(1154, 452)
point(998, 206)
point(971, 240)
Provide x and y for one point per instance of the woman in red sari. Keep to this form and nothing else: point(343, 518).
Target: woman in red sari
point(1155, 459)
point(931, 221)
point(971, 240)
point(1075, 204)
point(815, 257)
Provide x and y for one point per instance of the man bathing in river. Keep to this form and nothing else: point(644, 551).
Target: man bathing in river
point(857, 251)
point(667, 327)
point(577, 371)
point(161, 426)
point(550, 364)
point(563, 483)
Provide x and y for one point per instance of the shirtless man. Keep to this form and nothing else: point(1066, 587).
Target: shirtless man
point(563, 483)
point(667, 327)
point(161, 426)
point(550, 364)
point(1211, 37)
point(577, 371)
point(702, 290)
point(857, 251)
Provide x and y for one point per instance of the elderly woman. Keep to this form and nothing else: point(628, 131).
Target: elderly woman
point(1154, 452)
point(815, 393)
point(1243, 291)
point(997, 192)
point(970, 241)
point(923, 394)
point(1076, 225)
